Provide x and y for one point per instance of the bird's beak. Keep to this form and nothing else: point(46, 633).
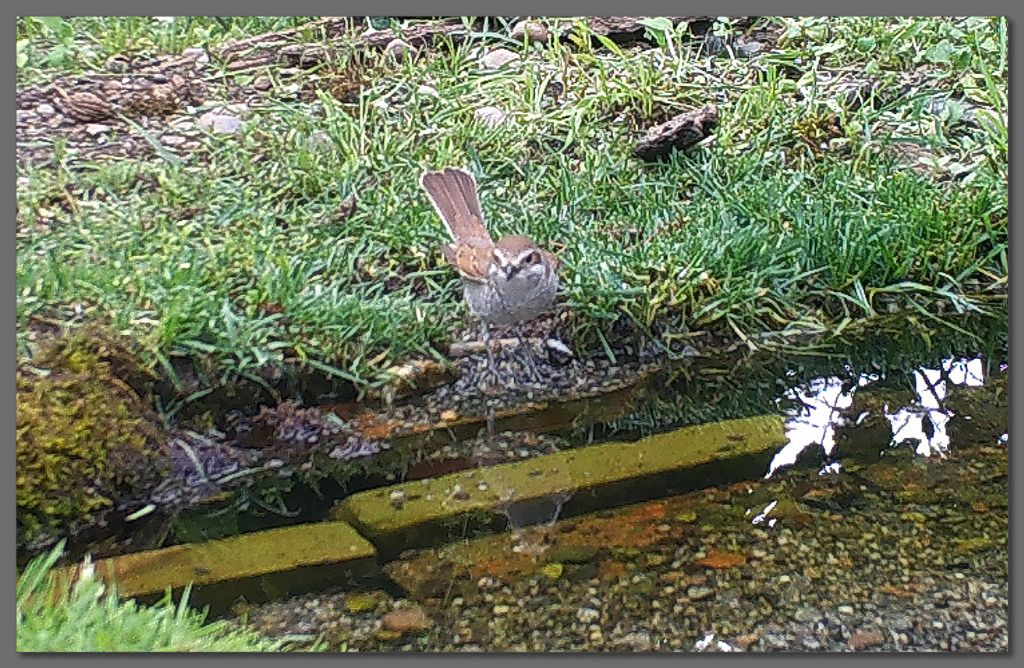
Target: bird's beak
point(511, 270)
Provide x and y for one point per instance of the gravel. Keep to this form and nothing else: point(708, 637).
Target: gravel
point(859, 576)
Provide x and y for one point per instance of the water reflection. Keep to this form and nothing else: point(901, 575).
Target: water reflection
point(821, 406)
point(930, 385)
point(530, 520)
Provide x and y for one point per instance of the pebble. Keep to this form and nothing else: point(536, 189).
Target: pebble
point(357, 603)
point(429, 91)
point(398, 48)
point(537, 33)
point(699, 593)
point(587, 615)
point(173, 140)
point(405, 620)
point(866, 638)
point(45, 110)
point(219, 123)
point(749, 49)
point(500, 610)
point(196, 53)
point(498, 58)
point(96, 129)
point(490, 115)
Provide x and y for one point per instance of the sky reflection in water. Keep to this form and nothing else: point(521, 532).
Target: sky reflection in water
point(823, 403)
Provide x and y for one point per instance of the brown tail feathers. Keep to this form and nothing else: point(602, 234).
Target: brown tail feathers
point(452, 191)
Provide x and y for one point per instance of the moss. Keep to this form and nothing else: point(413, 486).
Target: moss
point(84, 438)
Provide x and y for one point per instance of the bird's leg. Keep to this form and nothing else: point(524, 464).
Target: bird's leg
point(531, 363)
point(485, 334)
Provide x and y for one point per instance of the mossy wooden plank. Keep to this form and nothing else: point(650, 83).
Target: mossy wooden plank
point(251, 558)
point(414, 514)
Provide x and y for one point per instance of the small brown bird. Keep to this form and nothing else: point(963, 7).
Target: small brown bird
point(504, 283)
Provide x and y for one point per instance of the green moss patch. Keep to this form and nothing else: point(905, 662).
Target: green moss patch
point(85, 440)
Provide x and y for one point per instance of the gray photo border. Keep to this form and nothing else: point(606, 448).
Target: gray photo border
point(1009, 8)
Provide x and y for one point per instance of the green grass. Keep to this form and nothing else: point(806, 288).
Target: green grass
point(238, 254)
point(88, 617)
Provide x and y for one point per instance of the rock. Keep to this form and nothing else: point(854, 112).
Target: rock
point(536, 32)
point(45, 110)
point(406, 620)
point(493, 60)
point(263, 83)
point(863, 638)
point(558, 352)
point(717, 559)
point(172, 140)
point(196, 53)
point(501, 610)
point(319, 139)
point(429, 91)
point(118, 64)
point(698, 593)
point(96, 129)
point(357, 603)
point(490, 115)
point(398, 48)
point(638, 642)
point(587, 615)
point(806, 614)
point(220, 123)
point(749, 49)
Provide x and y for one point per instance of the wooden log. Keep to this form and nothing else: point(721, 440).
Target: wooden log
point(678, 133)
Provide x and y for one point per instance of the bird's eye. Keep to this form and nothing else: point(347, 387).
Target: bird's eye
point(534, 257)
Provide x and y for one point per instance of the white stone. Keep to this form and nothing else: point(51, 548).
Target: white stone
point(429, 91)
point(220, 123)
point(493, 60)
point(490, 115)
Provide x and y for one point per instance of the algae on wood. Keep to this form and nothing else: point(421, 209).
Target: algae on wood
point(598, 476)
point(260, 565)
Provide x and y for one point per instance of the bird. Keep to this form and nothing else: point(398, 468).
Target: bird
point(505, 283)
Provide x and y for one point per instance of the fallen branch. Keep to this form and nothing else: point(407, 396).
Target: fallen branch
point(678, 133)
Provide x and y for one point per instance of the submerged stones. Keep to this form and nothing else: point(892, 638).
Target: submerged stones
point(406, 620)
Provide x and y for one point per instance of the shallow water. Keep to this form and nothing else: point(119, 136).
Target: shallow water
point(880, 525)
